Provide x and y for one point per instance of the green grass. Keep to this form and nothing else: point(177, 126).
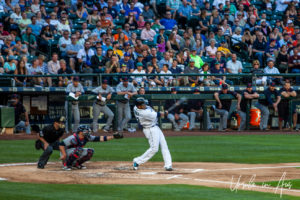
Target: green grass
point(226, 148)
point(295, 183)
point(29, 191)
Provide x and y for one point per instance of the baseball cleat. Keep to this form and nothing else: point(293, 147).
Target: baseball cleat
point(40, 167)
point(66, 168)
point(135, 166)
point(168, 168)
point(80, 167)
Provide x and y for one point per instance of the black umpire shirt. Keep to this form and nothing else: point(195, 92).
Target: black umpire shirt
point(245, 102)
point(50, 134)
point(226, 103)
point(268, 97)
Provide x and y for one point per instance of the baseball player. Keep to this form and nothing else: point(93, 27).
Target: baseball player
point(48, 140)
point(147, 117)
point(73, 153)
point(263, 104)
point(76, 89)
point(248, 95)
point(177, 113)
point(104, 93)
point(223, 106)
point(195, 107)
point(124, 113)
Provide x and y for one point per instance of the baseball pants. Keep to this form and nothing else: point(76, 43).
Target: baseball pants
point(193, 116)
point(107, 112)
point(223, 118)
point(47, 153)
point(155, 138)
point(76, 114)
point(124, 115)
point(264, 115)
point(183, 120)
point(77, 156)
point(243, 120)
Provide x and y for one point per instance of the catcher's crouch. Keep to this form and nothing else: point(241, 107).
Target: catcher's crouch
point(72, 152)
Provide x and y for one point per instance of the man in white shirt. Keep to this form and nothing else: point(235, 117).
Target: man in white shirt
point(62, 26)
point(270, 69)
point(148, 33)
point(53, 65)
point(63, 43)
point(281, 5)
point(166, 79)
point(234, 66)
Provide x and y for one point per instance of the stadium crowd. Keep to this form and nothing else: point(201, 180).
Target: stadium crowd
point(156, 37)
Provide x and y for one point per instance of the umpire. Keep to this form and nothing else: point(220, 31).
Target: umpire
point(48, 140)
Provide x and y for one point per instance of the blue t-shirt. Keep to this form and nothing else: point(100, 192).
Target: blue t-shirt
point(168, 23)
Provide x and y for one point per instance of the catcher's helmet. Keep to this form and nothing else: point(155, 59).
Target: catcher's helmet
point(85, 129)
point(140, 101)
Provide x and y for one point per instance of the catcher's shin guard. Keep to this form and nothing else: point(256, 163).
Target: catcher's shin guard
point(74, 156)
point(89, 155)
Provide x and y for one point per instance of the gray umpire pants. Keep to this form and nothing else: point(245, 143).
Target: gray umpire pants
point(124, 114)
point(223, 118)
point(264, 118)
point(107, 112)
point(243, 120)
point(193, 116)
point(47, 153)
point(75, 113)
point(183, 119)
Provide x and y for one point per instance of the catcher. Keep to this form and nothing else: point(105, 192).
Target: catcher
point(72, 152)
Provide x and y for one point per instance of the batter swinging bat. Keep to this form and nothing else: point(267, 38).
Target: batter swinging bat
point(181, 100)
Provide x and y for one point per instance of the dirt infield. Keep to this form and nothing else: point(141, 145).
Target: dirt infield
point(223, 175)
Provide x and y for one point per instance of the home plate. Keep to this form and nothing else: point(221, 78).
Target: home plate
point(148, 173)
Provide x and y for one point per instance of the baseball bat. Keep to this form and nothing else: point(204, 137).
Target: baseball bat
point(178, 103)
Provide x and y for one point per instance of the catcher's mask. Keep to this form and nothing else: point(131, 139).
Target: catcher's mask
point(86, 130)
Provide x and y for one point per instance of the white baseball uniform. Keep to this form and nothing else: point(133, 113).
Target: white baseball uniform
point(148, 119)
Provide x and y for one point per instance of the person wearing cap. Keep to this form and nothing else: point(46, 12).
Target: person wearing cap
point(103, 93)
point(284, 107)
point(105, 23)
point(247, 96)
point(222, 106)
point(139, 80)
point(198, 61)
point(74, 89)
point(127, 90)
point(63, 26)
point(263, 104)
point(272, 49)
point(148, 12)
point(128, 62)
point(290, 28)
point(168, 22)
point(195, 108)
point(48, 140)
point(19, 112)
point(117, 35)
point(116, 49)
point(175, 114)
point(191, 69)
point(271, 69)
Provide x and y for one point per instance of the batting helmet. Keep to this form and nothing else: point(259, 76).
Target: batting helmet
point(85, 129)
point(140, 101)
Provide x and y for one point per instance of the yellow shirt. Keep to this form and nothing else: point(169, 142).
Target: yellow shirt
point(224, 50)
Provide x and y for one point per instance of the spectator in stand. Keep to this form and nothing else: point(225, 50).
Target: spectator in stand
point(166, 80)
point(294, 64)
point(21, 70)
point(198, 61)
point(148, 12)
point(191, 69)
point(258, 80)
point(211, 50)
point(172, 6)
point(63, 42)
point(53, 64)
point(219, 80)
point(184, 12)
point(16, 16)
point(128, 62)
point(36, 70)
point(270, 69)
point(168, 22)
point(72, 50)
point(36, 28)
point(165, 60)
point(113, 65)
point(134, 10)
point(148, 33)
point(219, 58)
point(44, 67)
point(206, 80)
point(84, 55)
point(29, 39)
point(234, 66)
point(64, 81)
point(24, 22)
point(259, 47)
point(62, 26)
point(284, 41)
point(98, 61)
point(272, 49)
point(175, 69)
point(139, 80)
point(10, 66)
point(282, 59)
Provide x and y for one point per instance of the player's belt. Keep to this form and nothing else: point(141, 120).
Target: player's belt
point(151, 126)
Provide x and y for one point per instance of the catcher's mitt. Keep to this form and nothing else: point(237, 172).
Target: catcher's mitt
point(38, 144)
point(118, 135)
